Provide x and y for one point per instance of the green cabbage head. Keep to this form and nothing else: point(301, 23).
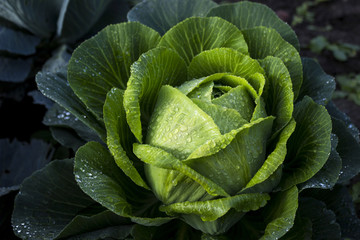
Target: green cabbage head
point(208, 117)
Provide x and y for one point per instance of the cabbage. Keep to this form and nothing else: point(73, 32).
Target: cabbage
point(218, 123)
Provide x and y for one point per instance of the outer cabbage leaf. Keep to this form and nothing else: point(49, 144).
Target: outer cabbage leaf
point(348, 147)
point(18, 160)
point(59, 59)
point(166, 13)
point(247, 15)
point(17, 42)
point(329, 174)
point(316, 83)
point(339, 201)
point(14, 70)
point(77, 17)
point(92, 73)
point(323, 220)
point(310, 145)
point(50, 203)
point(102, 225)
point(39, 17)
point(98, 176)
point(67, 129)
point(56, 87)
